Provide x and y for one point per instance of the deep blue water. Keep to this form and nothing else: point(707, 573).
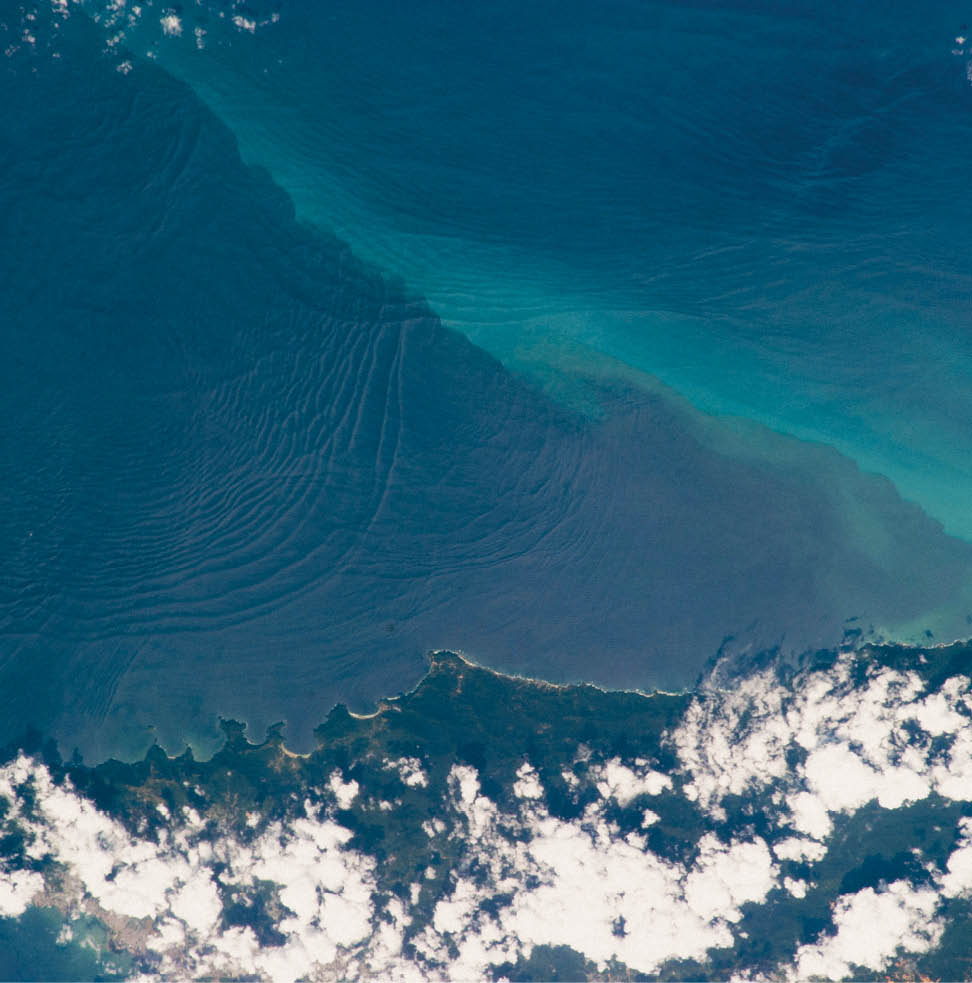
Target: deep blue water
point(249, 469)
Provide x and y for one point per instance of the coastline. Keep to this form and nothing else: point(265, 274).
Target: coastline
point(444, 661)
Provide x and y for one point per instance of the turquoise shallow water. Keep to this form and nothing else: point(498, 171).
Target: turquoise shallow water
point(766, 208)
point(246, 472)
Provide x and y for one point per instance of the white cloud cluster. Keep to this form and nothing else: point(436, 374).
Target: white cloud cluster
point(601, 892)
point(616, 780)
point(344, 792)
point(18, 888)
point(410, 771)
point(171, 24)
point(825, 744)
point(125, 22)
point(861, 740)
point(871, 928)
point(169, 889)
point(582, 884)
point(527, 784)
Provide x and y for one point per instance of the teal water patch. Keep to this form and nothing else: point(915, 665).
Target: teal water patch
point(40, 945)
point(766, 209)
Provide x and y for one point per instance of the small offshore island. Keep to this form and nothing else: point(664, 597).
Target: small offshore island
point(487, 826)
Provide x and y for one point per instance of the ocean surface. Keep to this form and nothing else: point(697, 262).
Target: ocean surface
point(584, 342)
